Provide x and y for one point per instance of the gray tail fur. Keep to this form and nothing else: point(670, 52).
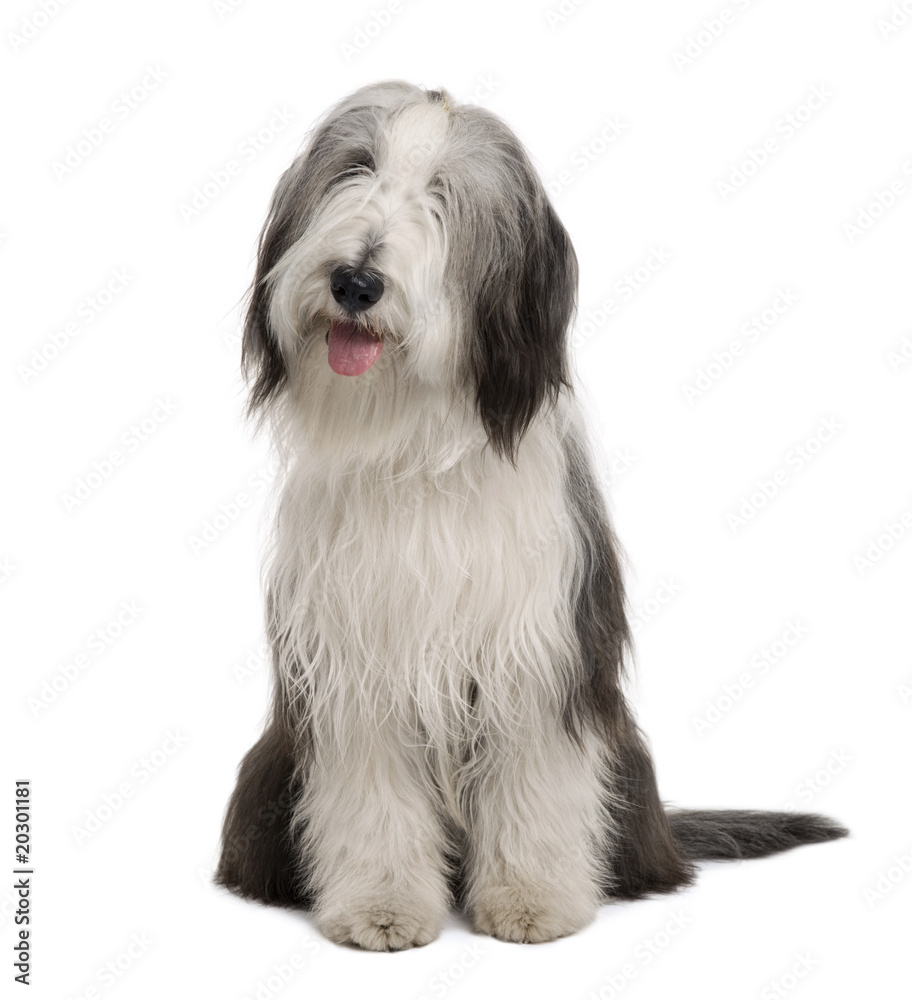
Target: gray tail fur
point(731, 834)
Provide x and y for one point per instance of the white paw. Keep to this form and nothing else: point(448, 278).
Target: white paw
point(384, 923)
point(518, 913)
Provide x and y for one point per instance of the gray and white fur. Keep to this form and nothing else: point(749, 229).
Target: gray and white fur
point(445, 602)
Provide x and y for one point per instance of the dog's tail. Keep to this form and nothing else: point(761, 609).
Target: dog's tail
point(733, 834)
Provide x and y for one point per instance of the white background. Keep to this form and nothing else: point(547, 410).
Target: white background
point(826, 727)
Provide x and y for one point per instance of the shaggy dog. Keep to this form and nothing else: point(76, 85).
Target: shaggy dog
point(445, 603)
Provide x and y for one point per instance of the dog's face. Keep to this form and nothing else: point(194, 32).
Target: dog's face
point(410, 253)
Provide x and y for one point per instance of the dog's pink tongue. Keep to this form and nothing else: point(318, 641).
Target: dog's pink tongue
point(352, 348)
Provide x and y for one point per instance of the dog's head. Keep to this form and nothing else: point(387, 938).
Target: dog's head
point(411, 248)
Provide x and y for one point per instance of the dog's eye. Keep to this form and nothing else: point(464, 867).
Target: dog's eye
point(438, 203)
point(363, 163)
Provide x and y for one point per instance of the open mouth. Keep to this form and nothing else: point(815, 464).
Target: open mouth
point(352, 348)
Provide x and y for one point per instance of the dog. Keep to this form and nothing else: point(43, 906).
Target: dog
point(444, 597)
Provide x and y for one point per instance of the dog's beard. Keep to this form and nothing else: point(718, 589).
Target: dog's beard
point(385, 414)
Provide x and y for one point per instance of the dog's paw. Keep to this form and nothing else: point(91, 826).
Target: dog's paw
point(523, 914)
point(389, 923)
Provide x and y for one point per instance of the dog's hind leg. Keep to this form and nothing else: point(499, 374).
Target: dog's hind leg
point(259, 858)
point(643, 855)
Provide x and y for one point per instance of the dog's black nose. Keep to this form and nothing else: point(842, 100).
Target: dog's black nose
point(356, 290)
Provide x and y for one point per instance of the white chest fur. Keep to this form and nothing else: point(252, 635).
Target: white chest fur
point(434, 598)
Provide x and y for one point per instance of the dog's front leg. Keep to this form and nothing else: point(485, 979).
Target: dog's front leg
point(537, 836)
point(372, 843)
